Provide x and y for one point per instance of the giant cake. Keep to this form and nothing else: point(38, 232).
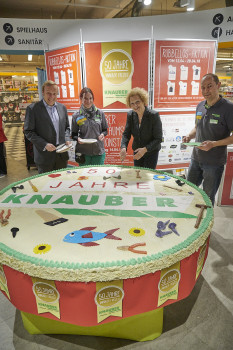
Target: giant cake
point(100, 223)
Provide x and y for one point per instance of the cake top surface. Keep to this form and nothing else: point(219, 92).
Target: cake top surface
point(100, 223)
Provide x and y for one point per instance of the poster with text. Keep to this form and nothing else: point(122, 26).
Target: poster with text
point(173, 153)
point(179, 67)
point(63, 67)
point(116, 125)
point(113, 68)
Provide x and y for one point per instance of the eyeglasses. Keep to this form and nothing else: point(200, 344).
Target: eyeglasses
point(136, 103)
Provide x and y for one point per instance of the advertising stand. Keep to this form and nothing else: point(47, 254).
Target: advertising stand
point(179, 67)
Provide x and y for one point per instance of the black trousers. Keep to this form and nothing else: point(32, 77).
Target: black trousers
point(59, 163)
point(3, 169)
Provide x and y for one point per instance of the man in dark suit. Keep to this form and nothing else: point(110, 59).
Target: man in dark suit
point(47, 126)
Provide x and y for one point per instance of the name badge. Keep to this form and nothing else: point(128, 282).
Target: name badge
point(213, 121)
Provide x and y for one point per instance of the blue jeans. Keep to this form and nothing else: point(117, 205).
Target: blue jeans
point(210, 175)
point(147, 161)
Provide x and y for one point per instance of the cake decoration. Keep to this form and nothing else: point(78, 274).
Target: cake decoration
point(90, 208)
point(173, 188)
point(172, 226)
point(42, 248)
point(138, 174)
point(50, 219)
point(132, 248)
point(202, 208)
point(180, 183)
point(161, 177)
point(4, 221)
point(14, 188)
point(136, 232)
point(14, 231)
point(35, 189)
point(83, 178)
point(86, 237)
point(54, 175)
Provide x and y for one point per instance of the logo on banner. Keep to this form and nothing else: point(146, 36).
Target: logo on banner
point(47, 296)
point(169, 283)
point(116, 69)
point(108, 298)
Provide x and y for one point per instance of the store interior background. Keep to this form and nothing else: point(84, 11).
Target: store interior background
point(193, 329)
point(18, 75)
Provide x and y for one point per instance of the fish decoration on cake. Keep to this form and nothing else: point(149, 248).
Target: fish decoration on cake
point(86, 237)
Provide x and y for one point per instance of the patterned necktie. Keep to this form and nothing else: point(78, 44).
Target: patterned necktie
point(55, 120)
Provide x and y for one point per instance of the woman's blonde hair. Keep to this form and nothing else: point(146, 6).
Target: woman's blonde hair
point(142, 93)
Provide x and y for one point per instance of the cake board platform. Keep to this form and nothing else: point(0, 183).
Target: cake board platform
point(143, 327)
point(72, 279)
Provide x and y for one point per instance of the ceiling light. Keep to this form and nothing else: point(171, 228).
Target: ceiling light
point(0, 58)
point(224, 59)
point(191, 5)
point(181, 3)
point(29, 57)
point(147, 2)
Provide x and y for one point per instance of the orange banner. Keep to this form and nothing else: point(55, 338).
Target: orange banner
point(179, 67)
point(113, 68)
point(63, 67)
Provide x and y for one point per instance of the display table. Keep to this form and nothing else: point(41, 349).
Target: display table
point(101, 250)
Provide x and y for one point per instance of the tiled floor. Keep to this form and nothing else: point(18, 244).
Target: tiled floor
point(202, 321)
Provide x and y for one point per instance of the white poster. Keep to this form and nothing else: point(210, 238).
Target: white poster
point(173, 152)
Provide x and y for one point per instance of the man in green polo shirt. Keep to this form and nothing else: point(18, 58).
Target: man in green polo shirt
point(213, 128)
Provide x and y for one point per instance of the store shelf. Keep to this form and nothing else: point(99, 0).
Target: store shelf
point(11, 102)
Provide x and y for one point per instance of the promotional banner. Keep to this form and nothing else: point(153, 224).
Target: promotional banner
point(63, 67)
point(113, 68)
point(108, 299)
point(173, 153)
point(179, 67)
point(47, 296)
point(3, 281)
point(116, 125)
point(169, 283)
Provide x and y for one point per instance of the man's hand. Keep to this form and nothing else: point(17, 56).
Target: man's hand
point(50, 147)
point(80, 141)
point(123, 154)
point(139, 153)
point(206, 145)
point(186, 139)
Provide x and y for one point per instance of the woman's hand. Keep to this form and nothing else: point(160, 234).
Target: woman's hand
point(139, 153)
point(101, 137)
point(123, 154)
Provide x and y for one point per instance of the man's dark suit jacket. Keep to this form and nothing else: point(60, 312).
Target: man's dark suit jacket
point(39, 129)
